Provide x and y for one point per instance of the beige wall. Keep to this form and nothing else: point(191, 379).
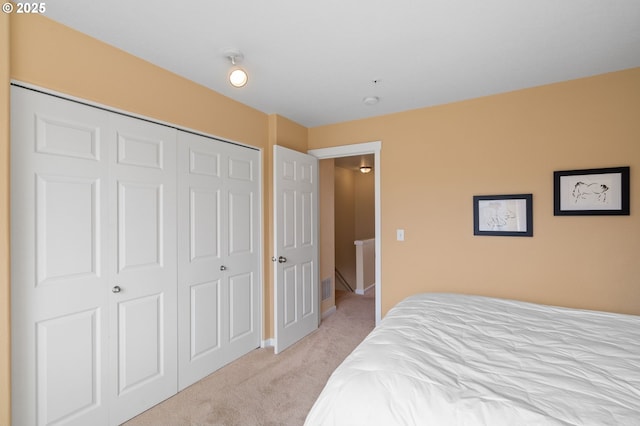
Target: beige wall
point(51, 55)
point(365, 206)
point(327, 228)
point(5, 327)
point(433, 160)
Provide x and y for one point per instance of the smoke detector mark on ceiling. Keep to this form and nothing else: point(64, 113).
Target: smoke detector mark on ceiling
point(371, 100)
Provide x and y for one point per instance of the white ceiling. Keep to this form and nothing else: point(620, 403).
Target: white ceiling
point(314, 61)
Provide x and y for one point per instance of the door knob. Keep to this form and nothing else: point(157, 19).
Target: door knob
point(282, 259)
point(223, 268)
point(116, 289)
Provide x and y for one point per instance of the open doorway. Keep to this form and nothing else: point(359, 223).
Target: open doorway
point(354, 219)
point(354, 153)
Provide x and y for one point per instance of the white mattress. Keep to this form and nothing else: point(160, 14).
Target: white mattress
point(444, 359)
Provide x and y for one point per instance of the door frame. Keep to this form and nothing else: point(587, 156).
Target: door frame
point(361, 149)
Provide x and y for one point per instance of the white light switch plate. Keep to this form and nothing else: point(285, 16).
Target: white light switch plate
point(400, 234)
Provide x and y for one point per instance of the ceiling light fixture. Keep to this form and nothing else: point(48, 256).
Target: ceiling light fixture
point(365, 169)
point(237, 76)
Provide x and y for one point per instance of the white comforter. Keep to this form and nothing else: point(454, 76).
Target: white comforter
point(444, 359)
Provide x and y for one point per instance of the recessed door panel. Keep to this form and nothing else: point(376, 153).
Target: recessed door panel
point(140, 225)
point(241, 305)
point(140, 342)
point(205, 318)
point(288, 170)
point(68, 228)
point(204, 232)
point(67, 137)
point(241, 222)
point(307, 288)
point(68, 367)
point(290, 287)
point(305, 175)
point(241, 169)
point(139, 151)
point(204, 163)
point(306, 219)
point(289, 219)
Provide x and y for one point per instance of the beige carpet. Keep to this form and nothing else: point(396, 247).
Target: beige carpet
point(266, 389)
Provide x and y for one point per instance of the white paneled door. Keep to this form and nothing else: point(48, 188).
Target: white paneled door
point(93, 263)
point(143, 270)
point(219, 263)
point(59, 226)
point(297, 302)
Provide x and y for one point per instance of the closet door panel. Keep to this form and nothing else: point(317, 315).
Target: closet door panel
point(142, 294)
point(202, 292)
point(242, 180)
point(140, 226)
point(242, 321)
point(205, 306)
point(204, 224)
point(58, 246)
point(219, 280)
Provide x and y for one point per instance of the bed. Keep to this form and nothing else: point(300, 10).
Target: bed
point(447, 359)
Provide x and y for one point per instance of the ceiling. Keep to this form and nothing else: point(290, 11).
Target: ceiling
point(314, 61)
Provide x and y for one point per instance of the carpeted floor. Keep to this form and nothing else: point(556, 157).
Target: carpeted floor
point(266, 389)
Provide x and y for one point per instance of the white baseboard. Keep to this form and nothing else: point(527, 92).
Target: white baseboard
point(362, 292)
point(267, 343)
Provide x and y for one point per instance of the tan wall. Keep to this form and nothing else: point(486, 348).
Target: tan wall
point(365, 206)
point(51, 55)
point(327, 228)
point(433, 160)
point(5, 314)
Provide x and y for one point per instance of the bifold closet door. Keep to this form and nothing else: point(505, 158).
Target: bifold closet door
point(218, 254)
point(93, 263)
point(59, 268)
point(142, 289)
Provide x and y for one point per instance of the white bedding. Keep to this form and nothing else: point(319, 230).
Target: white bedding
point(445, 359)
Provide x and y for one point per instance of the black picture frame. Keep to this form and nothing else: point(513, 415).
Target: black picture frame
point(591, 192)
point(508, 215)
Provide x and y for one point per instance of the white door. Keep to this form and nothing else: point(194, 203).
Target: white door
point(93, 263)
point(218, 254)
point(59, 273)
point(297, 302)
point(142, 284)
point(242, 262)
